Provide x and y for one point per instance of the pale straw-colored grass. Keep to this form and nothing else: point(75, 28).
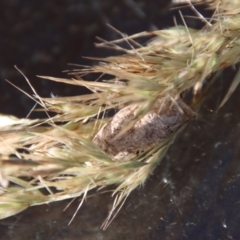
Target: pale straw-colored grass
point(54, 159)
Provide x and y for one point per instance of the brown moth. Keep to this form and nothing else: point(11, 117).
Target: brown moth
point(165, 117)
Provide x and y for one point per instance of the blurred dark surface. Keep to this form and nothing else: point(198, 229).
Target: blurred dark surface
point(193, 193)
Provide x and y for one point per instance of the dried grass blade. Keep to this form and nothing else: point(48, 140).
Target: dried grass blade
point(232, 88)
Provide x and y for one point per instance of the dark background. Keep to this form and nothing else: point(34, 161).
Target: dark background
point(193, 194)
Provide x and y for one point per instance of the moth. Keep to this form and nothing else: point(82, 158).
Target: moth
point(165, 117)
